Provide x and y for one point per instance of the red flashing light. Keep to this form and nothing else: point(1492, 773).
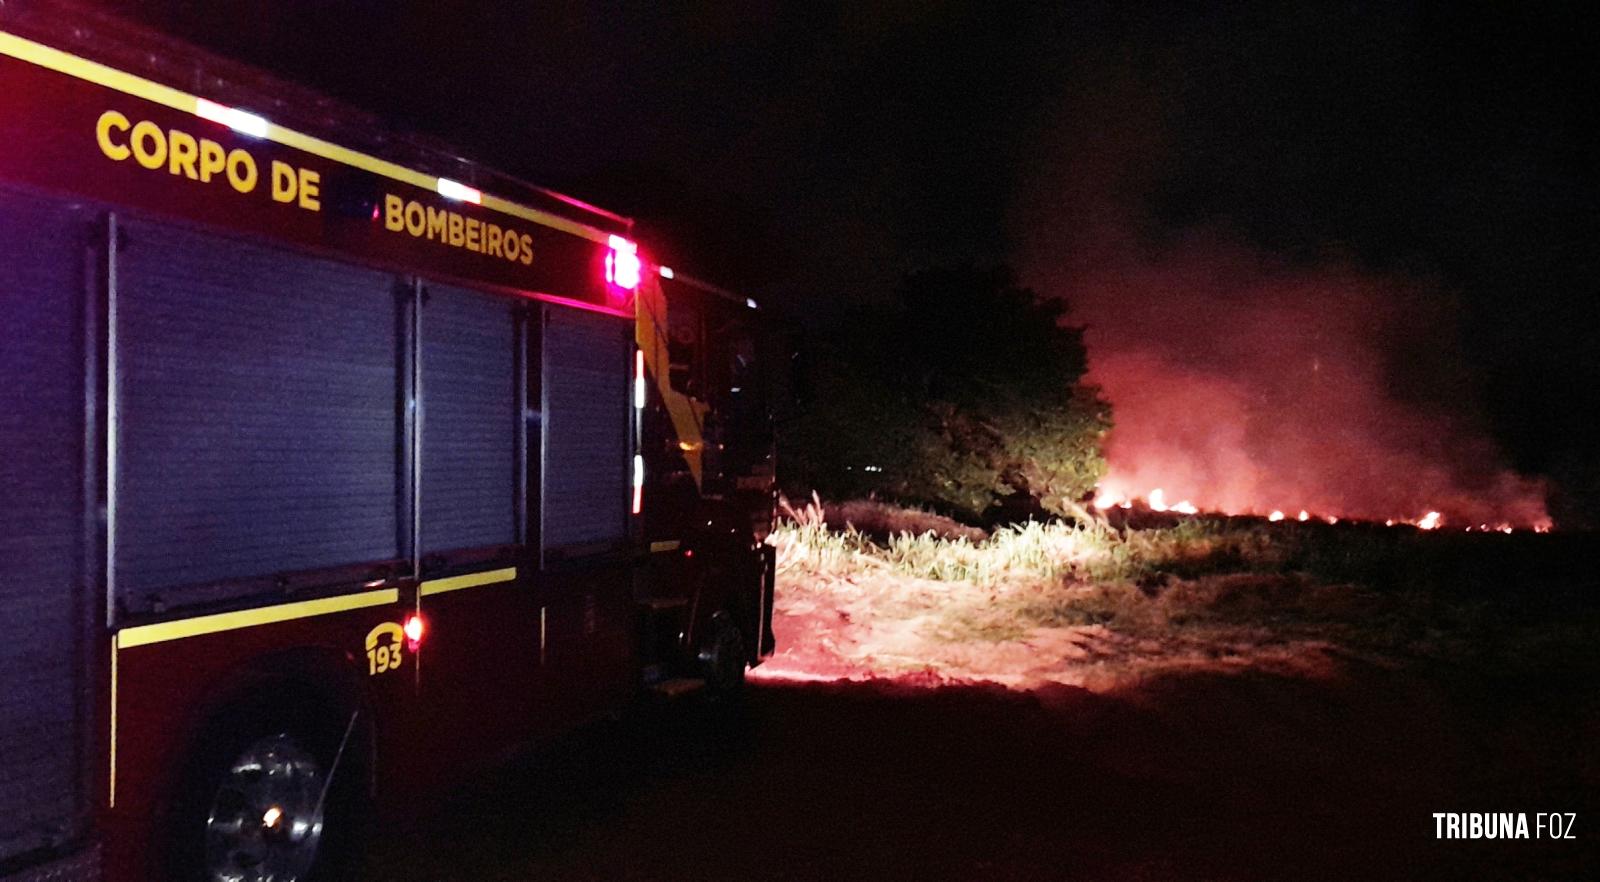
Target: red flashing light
point(623, 266)
point(414, 629)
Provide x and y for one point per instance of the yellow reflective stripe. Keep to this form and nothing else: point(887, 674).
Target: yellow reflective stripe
point(94, 72)
point(471, 580)
point(139, 87)
point(329, 150)
point(669, 545)
point(111, 778)
point(650, 332)
point(249, 618)
point(543, 218)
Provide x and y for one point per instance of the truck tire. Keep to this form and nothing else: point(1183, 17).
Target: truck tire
point(271, 794)
point(723, 659)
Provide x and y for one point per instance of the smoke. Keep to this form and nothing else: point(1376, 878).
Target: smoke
point(1243, 380)
point(1246, 385)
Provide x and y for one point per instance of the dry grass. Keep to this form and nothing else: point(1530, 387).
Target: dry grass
point(813, 541)
point(882, 520)
point(1027, 599)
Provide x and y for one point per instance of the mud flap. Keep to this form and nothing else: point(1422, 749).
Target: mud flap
point(769, 584)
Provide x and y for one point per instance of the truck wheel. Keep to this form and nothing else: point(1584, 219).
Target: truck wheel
point(263, 804)
point(723, 659)
point(267, 813)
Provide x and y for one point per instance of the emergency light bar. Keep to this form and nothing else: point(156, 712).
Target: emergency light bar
point(458, 191)
point(232, 117)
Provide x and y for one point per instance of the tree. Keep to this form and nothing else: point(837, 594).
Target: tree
point(965, 391)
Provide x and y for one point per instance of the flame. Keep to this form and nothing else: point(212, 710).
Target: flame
point(1104, 499)
point(1155, 500)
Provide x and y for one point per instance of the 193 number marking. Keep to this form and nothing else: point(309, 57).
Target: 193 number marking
point(385, 648)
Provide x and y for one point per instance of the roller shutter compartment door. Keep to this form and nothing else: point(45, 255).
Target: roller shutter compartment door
point(259, 417)
point(469, 416)
point(43, 253)
point(586, 396)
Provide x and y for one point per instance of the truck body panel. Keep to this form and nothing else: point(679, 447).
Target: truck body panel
point(268, 400)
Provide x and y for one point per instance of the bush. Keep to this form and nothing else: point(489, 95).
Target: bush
point(963, 394)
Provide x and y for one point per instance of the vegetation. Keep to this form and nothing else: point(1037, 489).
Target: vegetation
point(964, 394)
point(1199, 589)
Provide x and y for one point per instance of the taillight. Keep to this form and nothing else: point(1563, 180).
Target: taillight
point(414, 629)
point(638, 483)
point(622, 264)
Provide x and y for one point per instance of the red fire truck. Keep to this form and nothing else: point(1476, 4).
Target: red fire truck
point(332, 465)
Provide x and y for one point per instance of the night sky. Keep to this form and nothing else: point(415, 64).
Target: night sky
point(812, 153)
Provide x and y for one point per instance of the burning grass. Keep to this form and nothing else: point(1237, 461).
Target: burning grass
point(1093, 605)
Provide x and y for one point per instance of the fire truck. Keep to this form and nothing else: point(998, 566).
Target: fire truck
point(334, 466)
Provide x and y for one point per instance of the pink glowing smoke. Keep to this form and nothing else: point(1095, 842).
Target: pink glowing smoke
point(1245, 386)
point(1244, 381)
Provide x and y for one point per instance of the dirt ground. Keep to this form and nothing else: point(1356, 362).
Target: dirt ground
point(1230, 747)
point(1187, 775)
